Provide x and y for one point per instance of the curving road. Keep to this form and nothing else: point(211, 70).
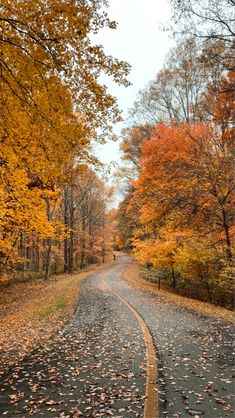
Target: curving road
point(97, 366)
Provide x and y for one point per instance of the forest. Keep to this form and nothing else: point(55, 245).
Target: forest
point(117, 278)
point(54, 205)
point(176, 213)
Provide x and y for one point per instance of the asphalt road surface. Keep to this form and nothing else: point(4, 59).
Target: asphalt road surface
point(96, 366)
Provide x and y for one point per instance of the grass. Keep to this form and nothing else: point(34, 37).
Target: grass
point(31, 312)
point(132, 276)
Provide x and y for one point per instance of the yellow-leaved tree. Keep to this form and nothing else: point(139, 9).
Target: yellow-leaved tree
point(50, 108)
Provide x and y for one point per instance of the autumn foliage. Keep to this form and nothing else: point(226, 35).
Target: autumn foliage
point(183, 201)
point(51, 106)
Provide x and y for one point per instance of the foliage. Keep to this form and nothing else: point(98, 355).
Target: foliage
point(184, 196)
point(51, 106)
point(41, 41)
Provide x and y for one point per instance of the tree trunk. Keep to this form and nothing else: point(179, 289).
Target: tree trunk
point(50, 212)
point(65, 255)
point(208, 291)
point(36, 256)
point(227, 235)
point(66, 223)
point(103, 243)
point(203, 276)
point(173, 278)
point(71, 250)
point(48, 258)
point(91, 243)
point(43, 254)
point(159, 283)
point(83, 243)
point(21, 247)
point(28, 253)
point(71, 232)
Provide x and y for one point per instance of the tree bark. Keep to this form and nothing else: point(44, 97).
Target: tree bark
point(208, 291)
point(66, 223)
point(83, 249)
point(71, 232)
point(37, 256)
point(21, 265)
point(159, 283)
point(227, 235)
point(50, 212)
point(48, 258)
point(173, 278)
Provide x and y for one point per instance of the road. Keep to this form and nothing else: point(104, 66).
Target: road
point(98, 364)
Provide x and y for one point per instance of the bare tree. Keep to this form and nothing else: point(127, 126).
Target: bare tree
point(177, 92)
point(210, 20)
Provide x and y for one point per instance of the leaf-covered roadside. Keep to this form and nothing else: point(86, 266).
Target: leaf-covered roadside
point(31, 312)
point(132, 275)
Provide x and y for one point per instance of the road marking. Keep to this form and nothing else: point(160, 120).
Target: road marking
point(151, 391)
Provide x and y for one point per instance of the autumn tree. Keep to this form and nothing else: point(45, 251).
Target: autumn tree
point(159, 250)
point(179, 201)
point(85, 206)
point(130, 147)
point(127, 220)
point(197, 261)
point(184, 191)
point(33, 161)
point(51, 106)
point(190, 165)
point(41, 40)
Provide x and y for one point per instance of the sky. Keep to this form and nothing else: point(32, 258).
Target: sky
point(141, 42)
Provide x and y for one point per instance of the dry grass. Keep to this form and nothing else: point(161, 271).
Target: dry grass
point(31, 312)
point(131, 275)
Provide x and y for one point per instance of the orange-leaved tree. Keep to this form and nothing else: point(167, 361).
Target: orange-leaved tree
point(185, 184)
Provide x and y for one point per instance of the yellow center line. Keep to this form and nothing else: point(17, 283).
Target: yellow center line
point(151, 391)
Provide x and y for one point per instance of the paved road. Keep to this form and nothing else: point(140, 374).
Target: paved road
point(96, 366)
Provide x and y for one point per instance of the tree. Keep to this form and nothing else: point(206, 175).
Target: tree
point(51, 106)
point(181, 187)
point(184, 193)
point(85, 217)
point(130, 146)
point(41, 40)
point(191, 166)
point(208, 19)
point(176, 92)
point(160, 251)
point(198, 261)
point(33, 160)
point(127, 220)
point(223, 110)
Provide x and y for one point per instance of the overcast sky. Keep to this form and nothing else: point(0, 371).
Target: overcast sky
point(141, 42)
